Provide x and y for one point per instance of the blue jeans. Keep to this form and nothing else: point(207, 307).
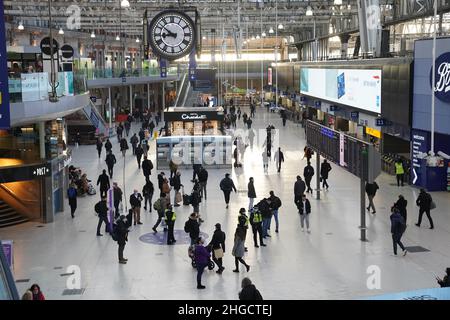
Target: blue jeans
point(275, 215)
point(265, 225)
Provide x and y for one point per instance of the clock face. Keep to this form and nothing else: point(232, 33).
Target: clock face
point(172, 34)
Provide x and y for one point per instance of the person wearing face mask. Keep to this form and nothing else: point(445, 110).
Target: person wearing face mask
point(135, 202)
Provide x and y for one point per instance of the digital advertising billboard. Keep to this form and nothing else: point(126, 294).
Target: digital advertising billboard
point(352, 87)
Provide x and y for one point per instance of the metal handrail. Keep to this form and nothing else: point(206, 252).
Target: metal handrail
point(5, 271)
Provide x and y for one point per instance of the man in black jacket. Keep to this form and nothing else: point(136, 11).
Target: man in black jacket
point(103, 180)
point(147, 167)
point(202, 180)
point(102, 210)
point(139, 152)
point(325, 168)
point(299, 189)
point(196, 169)
point(304, 208)
point(122, 237)
point(275, 204)
point(110, 162)
point(108, 146)
point(135, 202)
point(147, 192)
point(217, 243)
point(123, 146)
point(251, 193)
point(424, 203)
point(308, 173)
point(192, 227)
point(226, 185)
point(256, 220)
point(117, 197)
point(264, 206)
point(134, 142)
point(99, 147)
point(371, 190)
point(175, 182)
point(279, 158)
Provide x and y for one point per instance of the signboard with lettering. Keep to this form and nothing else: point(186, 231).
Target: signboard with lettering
point(4, 93)
point(193, 116)
point(442, 77)
point(419, 146)
point(24, 172)
point(163, 68)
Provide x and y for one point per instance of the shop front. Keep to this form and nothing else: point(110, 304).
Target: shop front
point(194, 121)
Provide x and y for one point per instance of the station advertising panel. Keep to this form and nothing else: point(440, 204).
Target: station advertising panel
point(359, 88)
point(356, 156)
point(4, 93)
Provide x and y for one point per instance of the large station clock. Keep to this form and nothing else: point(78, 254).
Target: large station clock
point(172, 34)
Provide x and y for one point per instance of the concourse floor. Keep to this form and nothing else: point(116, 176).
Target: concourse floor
point(329, 263)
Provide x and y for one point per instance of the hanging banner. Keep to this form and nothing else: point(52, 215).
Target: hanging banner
point(163, 68)
point(269, 76)
point(192, 65)
point(4, 93)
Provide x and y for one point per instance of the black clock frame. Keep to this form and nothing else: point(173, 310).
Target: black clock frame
point(157, 50)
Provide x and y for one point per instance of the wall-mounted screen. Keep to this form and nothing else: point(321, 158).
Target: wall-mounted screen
point(353, 87)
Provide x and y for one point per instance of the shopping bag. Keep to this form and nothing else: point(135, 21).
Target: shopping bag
point(218, 253)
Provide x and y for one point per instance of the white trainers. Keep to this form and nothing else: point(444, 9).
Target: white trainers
point(309, 231)
point(405, 252)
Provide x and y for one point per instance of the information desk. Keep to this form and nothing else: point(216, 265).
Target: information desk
point(185, 151)
point(194, 121)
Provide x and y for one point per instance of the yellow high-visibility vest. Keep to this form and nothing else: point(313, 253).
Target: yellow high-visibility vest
point(257, 217)
point(174, 216)
point(399, 168)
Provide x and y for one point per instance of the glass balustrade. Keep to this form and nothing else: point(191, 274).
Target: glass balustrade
point(93, 74)
point(26, 87)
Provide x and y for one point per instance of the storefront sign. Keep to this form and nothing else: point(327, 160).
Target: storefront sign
point(8, 251)
point(41, 170)
point(442, 77)
point(4, 93)
point(193, 116)
point(269, 76)
point(373, 132)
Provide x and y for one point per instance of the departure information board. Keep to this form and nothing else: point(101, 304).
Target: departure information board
point(356, 156)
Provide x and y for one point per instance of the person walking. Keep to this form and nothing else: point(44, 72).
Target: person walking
point(72, 196)
point(122, 237)
point(147, 192)
point(139, 152)
point(279, 158)
point(245, 118)
point(99, 147)
point(161, 178)
point(134, 140)
point(398, 227)
point(227, 185)
point(307, 153)
point(251, 193)
point(160, 206)
point(299, 189)
point(371, 190)
point(304, 208)
point(401, 205)
point(102, 210)
point(239, 248)
point(119, 131)
point(170, 217)
point(265, 159)
point(195, 170)
point(251, 137)
point(201, 256)
point(308, 173)
point(249, 124)
point(175, 181)
point(203, 180)
point(117, 193)
point(256, 220)
point(108, 146)
point(127, 127)
point(264, 206)
point(173, 168)
point(192, 227)
point(325, 168)
point(77, 139)
point(135, 202)
point(147, 167)
point(195, 198)
point(103, 181)
point(284, 117)
point(275, 204)
point(217, 246)
point(141, 135)
point(110, 162)
point(123, 146)
point(399, 171)
point(151, 127)
point(424, 201)
point(249, 291)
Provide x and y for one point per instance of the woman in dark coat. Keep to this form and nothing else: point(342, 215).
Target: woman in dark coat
point(37, 293)
point(217, 243)
point(401, 206)
point(239, 248)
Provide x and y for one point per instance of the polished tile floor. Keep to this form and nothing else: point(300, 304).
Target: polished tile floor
point(329, 263)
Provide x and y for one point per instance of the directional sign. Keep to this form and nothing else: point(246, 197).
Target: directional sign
point(41, 171)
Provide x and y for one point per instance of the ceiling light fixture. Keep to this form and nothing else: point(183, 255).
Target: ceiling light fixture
point(137, 40)
point(263, 34)
point(92, 34)
point(338, 2)
point(271, 30)
point(20, 27)
point(253, 37)
point(309, 11)
point(124, 3)
point(204, 38)
point(280, 27)
point(61, 31)
point(257, 36)
point(117, 38)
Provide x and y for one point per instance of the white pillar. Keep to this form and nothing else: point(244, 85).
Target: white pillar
point(131, 98)
point(148, 95)
point(163, 96)
point(41, 126)
point(110, 111)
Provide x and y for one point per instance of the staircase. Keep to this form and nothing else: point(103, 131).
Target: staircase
point(9, 216)
point(96, 119)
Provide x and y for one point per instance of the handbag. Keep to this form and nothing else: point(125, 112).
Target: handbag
point(432, 205)
point(218, 253)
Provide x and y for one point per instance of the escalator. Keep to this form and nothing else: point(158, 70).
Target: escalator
point(182, 91)
point(8, 290)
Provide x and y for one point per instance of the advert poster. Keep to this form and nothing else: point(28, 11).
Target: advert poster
point(4, 93)
point(8, 251)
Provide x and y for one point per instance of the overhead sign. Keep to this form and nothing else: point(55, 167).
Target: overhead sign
point(354, 115)
point(442, 77)
point(45, 46)
point(67, 51)
point(419, 146)
point(163, 68)
point(359, 88)
point(373, 132)
point(4, 91)
point(24, 172)
point(193, 116)
point(356, 156)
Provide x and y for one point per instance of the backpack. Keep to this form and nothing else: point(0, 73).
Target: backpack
point(97, 207)
point(187, 227)
point(157, 205)
point(277, 202)
point(72, 193)
point(151, 165)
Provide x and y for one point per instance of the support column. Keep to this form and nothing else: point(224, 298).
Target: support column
point(110, 112)
point(41, 126)
point(131, 99)
point(318, 175)
point(363, 209)
point(148, 96)
point(163, 100)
